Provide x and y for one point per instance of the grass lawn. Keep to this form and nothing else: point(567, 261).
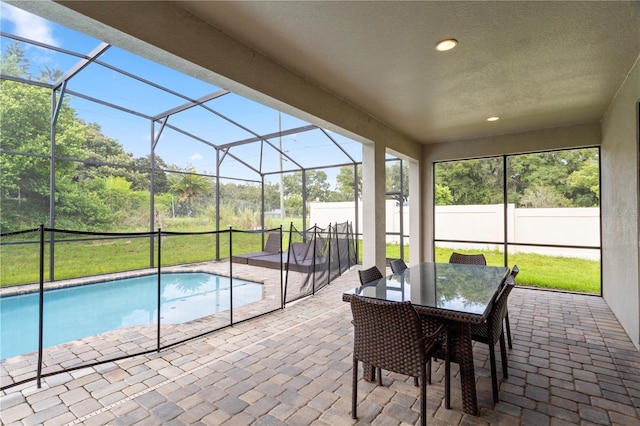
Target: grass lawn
point(20, 263)
point(552, 272)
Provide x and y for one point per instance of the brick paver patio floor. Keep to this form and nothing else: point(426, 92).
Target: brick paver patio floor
point(571, 363)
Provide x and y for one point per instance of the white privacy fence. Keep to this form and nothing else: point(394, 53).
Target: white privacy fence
point(560, 226)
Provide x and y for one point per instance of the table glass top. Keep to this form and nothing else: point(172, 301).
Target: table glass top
point(456, 287)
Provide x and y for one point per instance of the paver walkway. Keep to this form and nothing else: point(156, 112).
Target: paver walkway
point(571, 364)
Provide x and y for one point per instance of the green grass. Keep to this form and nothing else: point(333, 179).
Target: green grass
point(20, 263)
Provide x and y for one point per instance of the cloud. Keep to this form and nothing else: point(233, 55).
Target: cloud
point(195, 157)
point(27, 25)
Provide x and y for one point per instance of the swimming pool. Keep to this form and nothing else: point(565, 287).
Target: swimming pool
point(75, 312)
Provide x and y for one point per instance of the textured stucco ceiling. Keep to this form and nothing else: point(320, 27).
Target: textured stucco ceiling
point(535, 64)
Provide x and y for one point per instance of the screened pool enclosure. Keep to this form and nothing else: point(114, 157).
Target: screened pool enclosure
point(112, 166)
point(98, 139)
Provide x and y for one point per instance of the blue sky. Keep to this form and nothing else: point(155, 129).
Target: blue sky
point(309, 149)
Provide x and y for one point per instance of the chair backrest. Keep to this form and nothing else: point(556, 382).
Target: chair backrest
point(398, 265)
point(499, 310)
point(368, 275)
point(468, 259)
point(273, 244)
point(388, 335)
point(514, 271)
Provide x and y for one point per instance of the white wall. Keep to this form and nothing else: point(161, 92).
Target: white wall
point(620, 218)
point(561, 226)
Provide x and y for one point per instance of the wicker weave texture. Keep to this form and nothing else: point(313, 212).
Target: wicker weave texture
point(389, 335)
point(490, 331)
point(397, 265)
point(468, 259)
point(368, 275)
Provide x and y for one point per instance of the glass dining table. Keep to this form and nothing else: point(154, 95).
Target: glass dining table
point(460, 295)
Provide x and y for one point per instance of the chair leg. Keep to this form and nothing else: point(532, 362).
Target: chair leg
point(379, 373)
point(447, 374)
point(508, 327)
point(354, 390)
point(423, 397)
point(503, 355)
point(494, 379)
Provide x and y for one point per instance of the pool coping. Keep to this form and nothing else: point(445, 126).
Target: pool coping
point(200, 267)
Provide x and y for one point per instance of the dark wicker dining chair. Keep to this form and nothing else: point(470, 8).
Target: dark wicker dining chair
point(492, 332)
point(369, 275)
point(397, 266)
point(389, 335)
point(468, 259)
point(514, 271)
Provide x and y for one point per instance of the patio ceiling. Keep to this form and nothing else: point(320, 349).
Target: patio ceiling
point(534, 64)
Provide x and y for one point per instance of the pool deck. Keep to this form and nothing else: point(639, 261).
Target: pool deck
point(571, 363)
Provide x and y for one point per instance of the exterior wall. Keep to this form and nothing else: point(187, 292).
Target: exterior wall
point(620, 219)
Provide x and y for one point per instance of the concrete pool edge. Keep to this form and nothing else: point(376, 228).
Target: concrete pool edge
point(200, 267)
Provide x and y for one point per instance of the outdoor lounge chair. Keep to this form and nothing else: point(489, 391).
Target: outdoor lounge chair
point(272, 246)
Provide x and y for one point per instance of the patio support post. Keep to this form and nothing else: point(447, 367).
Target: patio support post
point(159, 293)
point(56, 104)
point(40, 308)
point(416, 254)
point(304, 200)
point(262, 209)
point(356, 197)
point(218, 206)
point(401, 212)
point(152, 222)
point(373, 198)
point(505, 212)
point(230, 275)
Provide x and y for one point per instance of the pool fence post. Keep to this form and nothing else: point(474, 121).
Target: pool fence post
point(230, 275)
point(313, 266)
point(40, 308)
point(159, 284)
point(281, 272)
point(286, 280)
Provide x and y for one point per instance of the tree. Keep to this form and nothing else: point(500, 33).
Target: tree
point(14, 61)
point(26, 129)
point(472, 181)
point(443, 195)
point(344, 181)
point(587, 178)
point(543, 197)
point(394, 185)
point(188, 187)
point(318, 189)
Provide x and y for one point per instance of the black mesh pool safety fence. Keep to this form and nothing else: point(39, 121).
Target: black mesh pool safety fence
point(75, 299)
point(315, 257)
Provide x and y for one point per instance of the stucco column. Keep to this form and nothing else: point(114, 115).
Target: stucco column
point(373, 206)
point(415, 214)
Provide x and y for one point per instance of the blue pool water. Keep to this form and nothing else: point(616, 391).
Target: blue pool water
point(75, 312)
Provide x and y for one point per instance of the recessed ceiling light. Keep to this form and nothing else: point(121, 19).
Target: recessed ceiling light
point(444, 45)
point(494, 118)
